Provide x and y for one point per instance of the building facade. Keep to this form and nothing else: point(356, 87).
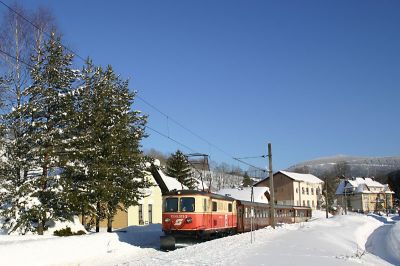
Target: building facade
point(364, 195)
point(295, 189)
point(149, 210)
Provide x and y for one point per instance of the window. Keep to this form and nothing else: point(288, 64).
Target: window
point(302, 190)
point(171, 205)
point(229, 207)
point(214, 206)
point(308, 203)
point(297, 190)
point(312, 191)
point(141, 214)
point(304, 203)
point(205, 205)
point(150, 213)
point(307, 191)
point(317, 191)
point(246, 214)
point(187, 204)
point(313, 204)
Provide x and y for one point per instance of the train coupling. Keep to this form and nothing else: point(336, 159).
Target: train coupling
point(167, 242)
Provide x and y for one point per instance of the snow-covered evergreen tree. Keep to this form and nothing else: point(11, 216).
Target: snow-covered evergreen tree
point(49, 105)
point(106, 167)
point(77, 178)
point(247, 182)
point(178, 167)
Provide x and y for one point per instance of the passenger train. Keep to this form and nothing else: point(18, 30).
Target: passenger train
point(203, 215)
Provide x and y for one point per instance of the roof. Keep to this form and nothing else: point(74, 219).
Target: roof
point(245, 193)
point(308, 178)
point(361, 185)
point(166, 183)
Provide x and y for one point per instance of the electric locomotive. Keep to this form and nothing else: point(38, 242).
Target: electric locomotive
point(202, 215)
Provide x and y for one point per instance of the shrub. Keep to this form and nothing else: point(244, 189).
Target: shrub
point(63, 232)
point(80, 232)
point(67, 232)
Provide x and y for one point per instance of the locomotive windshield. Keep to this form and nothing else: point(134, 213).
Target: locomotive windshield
point(187, 204)
point(171, 205)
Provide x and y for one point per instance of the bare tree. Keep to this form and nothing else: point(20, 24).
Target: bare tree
point(15, 40)
point(342, 169)
point(44, 22)
point(20, 39)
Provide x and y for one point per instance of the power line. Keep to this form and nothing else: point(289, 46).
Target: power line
point(160, 133)
point(181, 125)
point(253, 157)
point(16, 59)
point(198, 136)
point(168, 137)
point(38, 28)
point(243, 162)
point(139, 97)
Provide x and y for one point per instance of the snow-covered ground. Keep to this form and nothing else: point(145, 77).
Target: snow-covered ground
point(335, 241)
point(388, 233)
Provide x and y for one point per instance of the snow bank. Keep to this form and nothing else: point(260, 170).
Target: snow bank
point(393, 241)
point(320, 214)
point(92, 249)
point(365, 230)
point(75, 226)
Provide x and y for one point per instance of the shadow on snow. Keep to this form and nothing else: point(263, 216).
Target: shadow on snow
point(147, 236)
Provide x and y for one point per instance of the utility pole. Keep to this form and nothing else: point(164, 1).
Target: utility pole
point(251, 215)
point(345, 197)
point(271, 186)
point(326, 197)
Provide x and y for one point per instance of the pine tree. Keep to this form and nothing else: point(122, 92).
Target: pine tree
point(105, 172)
point(48, 108)
point(77, 178)
point(15, 195)
point(178, 167)
point(247, 182)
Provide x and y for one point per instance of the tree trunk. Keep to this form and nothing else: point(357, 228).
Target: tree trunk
point(109, 224)
point(40, 228)
point(98, 218)
point(42, 213)
point(41, 224)
point(83, 217)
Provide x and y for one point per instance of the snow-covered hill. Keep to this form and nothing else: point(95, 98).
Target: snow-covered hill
point(353, 166)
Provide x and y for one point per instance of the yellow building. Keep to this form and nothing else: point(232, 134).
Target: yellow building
point(295, 189)
point(364, 195)
point(149, 210)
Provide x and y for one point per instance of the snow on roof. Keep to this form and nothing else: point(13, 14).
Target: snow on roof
point(309, 178)
point(386, 188)
point(362, 185)
point(171, 182)
point(245, 193)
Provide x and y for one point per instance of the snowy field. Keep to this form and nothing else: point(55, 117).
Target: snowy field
point(340, 240)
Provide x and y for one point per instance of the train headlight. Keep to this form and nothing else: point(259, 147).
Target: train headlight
point(189, 220)
point(167, 220)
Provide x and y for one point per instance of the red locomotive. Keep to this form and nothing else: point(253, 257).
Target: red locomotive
point(202, 215)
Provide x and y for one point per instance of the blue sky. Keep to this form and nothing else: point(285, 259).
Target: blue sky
point(314, 78)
